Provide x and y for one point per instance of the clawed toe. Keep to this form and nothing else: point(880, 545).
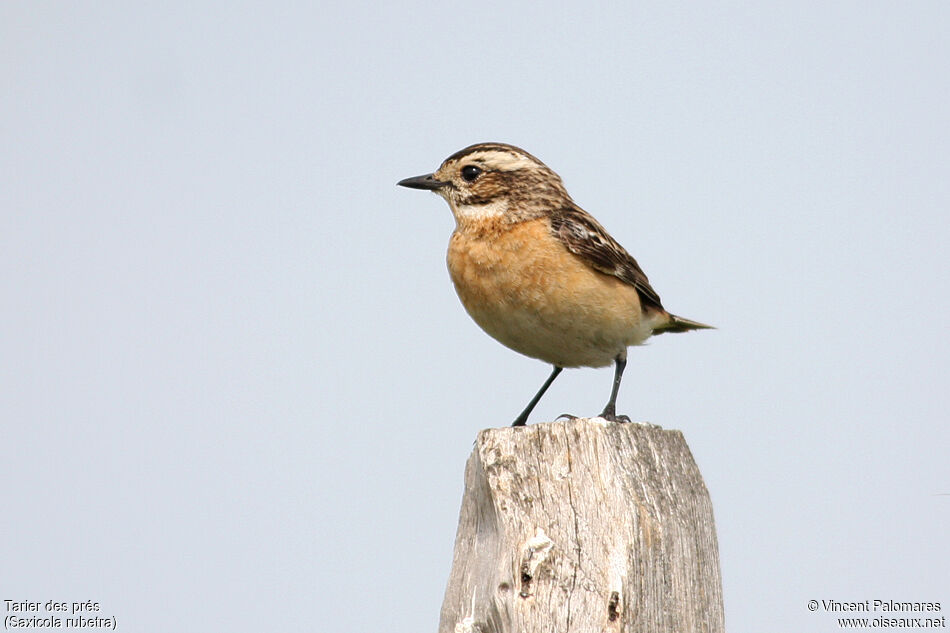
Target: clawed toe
point(610, 417)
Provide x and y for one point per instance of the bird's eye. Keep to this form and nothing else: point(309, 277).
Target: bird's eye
point(470, 173)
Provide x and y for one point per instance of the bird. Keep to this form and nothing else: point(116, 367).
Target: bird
point(537, 272)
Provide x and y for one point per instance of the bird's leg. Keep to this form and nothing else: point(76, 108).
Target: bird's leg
point(521, 419)
point(610, 411)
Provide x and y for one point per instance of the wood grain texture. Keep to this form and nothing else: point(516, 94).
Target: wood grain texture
point(580, 526)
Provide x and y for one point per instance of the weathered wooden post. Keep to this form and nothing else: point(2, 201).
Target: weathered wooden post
point(584, 526)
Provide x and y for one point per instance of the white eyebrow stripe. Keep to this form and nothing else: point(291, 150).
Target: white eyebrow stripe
point(504, 161)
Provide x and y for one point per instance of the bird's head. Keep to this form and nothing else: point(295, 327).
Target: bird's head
point(494, 180)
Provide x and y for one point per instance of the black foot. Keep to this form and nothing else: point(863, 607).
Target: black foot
point(610, 411)
point(610, 417)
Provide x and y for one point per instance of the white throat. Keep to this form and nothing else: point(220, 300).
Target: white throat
point(470, 212)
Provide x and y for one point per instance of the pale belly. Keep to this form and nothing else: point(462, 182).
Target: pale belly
point(544, 303)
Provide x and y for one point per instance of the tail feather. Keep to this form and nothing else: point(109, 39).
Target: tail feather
point(679, 324)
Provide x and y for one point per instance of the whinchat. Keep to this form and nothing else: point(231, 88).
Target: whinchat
point(537, 272)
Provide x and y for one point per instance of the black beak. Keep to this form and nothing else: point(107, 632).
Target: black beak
point(427, 182)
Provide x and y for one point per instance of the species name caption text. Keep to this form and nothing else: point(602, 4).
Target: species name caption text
point(53, 614)
point(882, 614)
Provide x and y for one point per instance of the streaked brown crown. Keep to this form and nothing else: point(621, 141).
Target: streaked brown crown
point(486, 172)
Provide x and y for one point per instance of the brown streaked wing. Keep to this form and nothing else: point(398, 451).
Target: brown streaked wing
point(586, 238)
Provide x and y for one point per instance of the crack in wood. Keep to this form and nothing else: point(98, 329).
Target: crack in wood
point(612, 606)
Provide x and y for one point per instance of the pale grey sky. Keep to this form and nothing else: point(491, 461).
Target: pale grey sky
point(237, 389)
